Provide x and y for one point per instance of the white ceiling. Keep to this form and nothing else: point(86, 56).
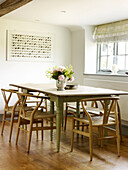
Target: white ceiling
point(78, 12)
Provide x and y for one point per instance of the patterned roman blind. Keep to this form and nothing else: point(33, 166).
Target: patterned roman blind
point(112, 32)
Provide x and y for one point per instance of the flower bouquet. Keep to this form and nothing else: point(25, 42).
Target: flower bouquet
point(61, 74)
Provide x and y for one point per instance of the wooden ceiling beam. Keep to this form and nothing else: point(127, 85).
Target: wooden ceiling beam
point(11, 5)
point(8, 3)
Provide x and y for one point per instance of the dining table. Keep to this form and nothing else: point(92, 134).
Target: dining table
point(68, 95)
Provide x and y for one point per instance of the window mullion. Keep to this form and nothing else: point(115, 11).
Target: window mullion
point(125, 58)
point(99, 47)
point(107, 57)
point(116, 54)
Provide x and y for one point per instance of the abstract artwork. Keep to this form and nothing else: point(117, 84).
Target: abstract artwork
point(23, 46)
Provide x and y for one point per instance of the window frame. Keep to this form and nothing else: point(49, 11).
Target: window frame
point(115, 58)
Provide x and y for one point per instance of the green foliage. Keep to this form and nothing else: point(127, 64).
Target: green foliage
point(57, 71)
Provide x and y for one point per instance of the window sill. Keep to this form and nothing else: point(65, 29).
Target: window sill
point(107, 74)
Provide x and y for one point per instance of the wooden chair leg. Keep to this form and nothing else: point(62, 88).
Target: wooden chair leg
point(118, 138)
point(118, 143)
point(72, 138)
point(37, 131)
point(51, 124)
point(65, 120)
point(119, 118)
point(120, 127)
point(90, 142)
point(3, 123)
point(25, 127)
point(82, 130)
point(117, 111)
point(18, 129)
point(30, 135)
point(11, 126)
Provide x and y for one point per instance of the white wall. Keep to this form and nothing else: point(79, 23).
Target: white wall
point(110, 82)
point(34, 72)
point(78, 55)
point(90, 51)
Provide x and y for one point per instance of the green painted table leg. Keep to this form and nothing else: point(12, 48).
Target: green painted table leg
point(52, 112)
point(63, 117)
point(59, 112)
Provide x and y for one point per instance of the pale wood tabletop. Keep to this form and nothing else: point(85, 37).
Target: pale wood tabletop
point(80, 90)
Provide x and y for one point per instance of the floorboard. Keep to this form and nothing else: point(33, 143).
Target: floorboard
point(43, 155)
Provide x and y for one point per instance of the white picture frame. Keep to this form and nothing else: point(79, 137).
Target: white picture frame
point(29, 46)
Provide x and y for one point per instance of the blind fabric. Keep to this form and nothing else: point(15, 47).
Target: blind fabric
point(112, 32)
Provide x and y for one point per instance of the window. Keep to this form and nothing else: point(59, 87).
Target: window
point(112, 54)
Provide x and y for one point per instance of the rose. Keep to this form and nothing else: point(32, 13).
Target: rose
point(61, 68)
point(61, 77)
point(71, 79)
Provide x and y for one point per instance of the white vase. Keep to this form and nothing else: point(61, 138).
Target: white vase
point(61, 84)
point(114, 69)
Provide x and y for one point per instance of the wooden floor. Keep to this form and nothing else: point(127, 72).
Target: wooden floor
point(43, 155)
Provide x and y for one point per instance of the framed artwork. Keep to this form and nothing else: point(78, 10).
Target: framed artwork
point(23, 46)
